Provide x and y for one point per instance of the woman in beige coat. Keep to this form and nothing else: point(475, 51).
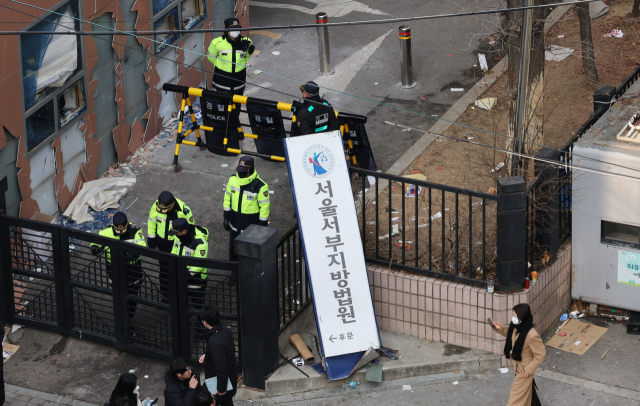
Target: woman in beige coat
point(525, 349)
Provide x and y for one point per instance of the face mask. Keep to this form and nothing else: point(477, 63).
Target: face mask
point(234, 34)
point(515, 320)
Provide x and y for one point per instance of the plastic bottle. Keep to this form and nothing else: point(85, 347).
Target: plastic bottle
point(349, 385)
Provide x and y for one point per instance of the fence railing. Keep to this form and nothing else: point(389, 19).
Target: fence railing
point(293, 288)
point(427, 228)
point(126, 296)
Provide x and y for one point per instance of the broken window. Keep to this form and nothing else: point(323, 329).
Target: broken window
point(184, 15)
point(71, 102)
point(40, 125)
point(159, 5)
point(193, 11)
point(166, 23)
point(52, 66)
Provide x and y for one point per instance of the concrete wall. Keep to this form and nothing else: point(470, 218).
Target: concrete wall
point(125, 106)
point(437, 310)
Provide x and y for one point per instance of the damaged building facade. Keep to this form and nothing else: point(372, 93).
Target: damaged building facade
point(74, 105)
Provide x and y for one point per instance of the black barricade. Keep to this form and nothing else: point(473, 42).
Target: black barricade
point(361, 146)
point(267, 124)
point(214, 114)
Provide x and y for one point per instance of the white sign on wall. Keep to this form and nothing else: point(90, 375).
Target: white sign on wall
point(333, 248)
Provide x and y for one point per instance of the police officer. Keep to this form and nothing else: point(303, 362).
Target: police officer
point(246, 202)
point(163, 211)
point(314, 115)
point(229, 54)
point(191, 241)
point(122, 230)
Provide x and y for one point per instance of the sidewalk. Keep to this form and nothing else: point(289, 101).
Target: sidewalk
point(490, 389)
point(17, 396)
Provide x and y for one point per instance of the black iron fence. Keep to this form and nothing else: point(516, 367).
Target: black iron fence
point(293, 288)
point(126, 296)
point(427, 228)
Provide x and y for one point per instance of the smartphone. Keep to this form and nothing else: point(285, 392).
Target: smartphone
point(491, 324)
point(155, 402)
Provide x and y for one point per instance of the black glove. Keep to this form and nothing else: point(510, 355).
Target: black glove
point(244, 44)
point(295, 106)
point(95, 250)
point(251, 49)
point(225, 222)
point(130, 256)
point(263, 223)
point(151, 242)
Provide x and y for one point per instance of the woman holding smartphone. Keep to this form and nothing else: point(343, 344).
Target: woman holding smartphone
point(525, 349)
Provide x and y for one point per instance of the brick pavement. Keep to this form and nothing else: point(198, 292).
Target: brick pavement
point(17, 396)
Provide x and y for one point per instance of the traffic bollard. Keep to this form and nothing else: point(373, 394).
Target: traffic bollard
point(406, 70)
point(323, 44)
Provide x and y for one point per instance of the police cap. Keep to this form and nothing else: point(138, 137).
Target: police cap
point(232, 23)
point(120, 223)
point(178, 225)
point(310, 87)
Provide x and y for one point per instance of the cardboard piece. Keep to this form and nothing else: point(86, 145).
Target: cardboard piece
point(580, 337)
point(8, 350)
point(410, 189)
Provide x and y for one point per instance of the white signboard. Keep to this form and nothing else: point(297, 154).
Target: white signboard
point(629, 268)
point(333, 248)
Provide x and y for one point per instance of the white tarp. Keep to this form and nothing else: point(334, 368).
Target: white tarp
point(332, 244)
point(556, 53)
point(61, 57)
point(99, 195)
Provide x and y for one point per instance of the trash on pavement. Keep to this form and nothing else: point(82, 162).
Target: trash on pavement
point(579, 338)
point(487, 103)
point(556, 53)
point(560, 36)
point(302, 348)
point(563, 317)
point(562, 334)
point(8, 350)
point(603, 355)
point(614, 33)
point(374, 373)
point(503, 370)
point(406, 387)
point(298, 362)
point(455, 382)
point(483, 62)
point(498, 167)
point(276, 53)
point(457, 89)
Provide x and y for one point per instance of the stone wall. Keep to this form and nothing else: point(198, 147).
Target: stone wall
point(437, 310)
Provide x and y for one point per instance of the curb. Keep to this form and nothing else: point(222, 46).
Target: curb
point(591, 385)
point(461, 105)
point(49, 397)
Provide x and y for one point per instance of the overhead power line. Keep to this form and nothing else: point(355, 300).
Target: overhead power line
point(533, 158)
point(284, 27)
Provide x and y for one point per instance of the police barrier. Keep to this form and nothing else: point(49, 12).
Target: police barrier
point(223, 129)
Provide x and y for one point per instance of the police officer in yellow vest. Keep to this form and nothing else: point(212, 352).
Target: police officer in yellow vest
point(229, 54)
point(191, 241)
point(122, 230)
point(246, 202)
point(163, 211)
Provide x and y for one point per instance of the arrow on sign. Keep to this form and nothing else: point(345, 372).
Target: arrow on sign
point(332, 338)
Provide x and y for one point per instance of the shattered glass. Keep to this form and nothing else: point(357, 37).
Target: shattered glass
point(193, 11)
point(166, 23)
point(159, 5)
point(71, 102)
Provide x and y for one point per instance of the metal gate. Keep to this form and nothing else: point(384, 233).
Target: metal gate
point(126, 296)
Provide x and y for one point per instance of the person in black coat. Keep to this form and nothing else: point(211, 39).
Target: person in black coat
point(219, 358)
point(314, 115)
point(183, 384)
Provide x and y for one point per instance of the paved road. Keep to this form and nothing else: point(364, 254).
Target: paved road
point(491, 389)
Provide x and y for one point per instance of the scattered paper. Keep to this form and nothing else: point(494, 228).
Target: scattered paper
point(614, 33)
point(257, 72)
point(276, 53)
point(271, 192)
point(406, 387)
point(372, 180)
point(576, 343)
point(556, 53)
point(146, 377)
point(436, 216)
point(455, 382)
point(483, 62)
point(224, 165)
point(133, 371)
point(457, 89)
point(560, 36)
point(498, 167)
point(487, 103)
point(376, 83)
point(503, 370)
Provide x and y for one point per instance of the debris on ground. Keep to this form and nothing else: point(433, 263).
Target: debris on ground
point(483, 62)
point(8, 350)
point(503, 370)
point(614, 33)
point(498, 167)
point(487, 103)
point(579, 338)
point(457, 89)
point(406, 387)
point(556, 53)
point(613, 313)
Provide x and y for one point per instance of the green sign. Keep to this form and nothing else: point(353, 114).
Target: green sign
point(629, 268)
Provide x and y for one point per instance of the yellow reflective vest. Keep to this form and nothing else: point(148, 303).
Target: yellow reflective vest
point(159, 225)
point(138, 239)
point(247, 200)
point(222, 54)
point(197, 247)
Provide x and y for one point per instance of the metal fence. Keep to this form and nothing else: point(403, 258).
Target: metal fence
point(130, 297)
point(427, 228)
point(293, 287)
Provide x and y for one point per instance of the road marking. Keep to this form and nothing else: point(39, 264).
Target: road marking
point(266, 33)
point(333, 8)
point(348, 69)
